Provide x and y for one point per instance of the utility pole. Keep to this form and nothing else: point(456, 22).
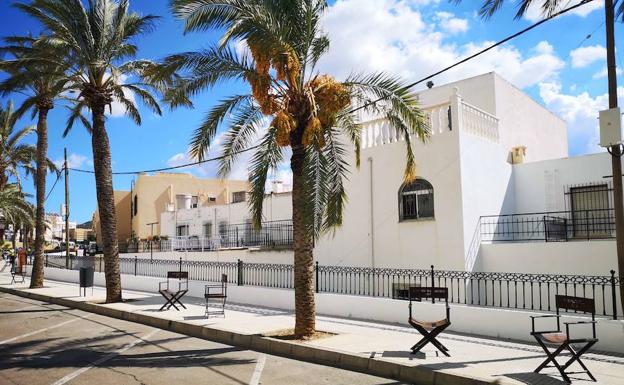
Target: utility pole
point(152, 241)
point(616, 150)
point(66, 210)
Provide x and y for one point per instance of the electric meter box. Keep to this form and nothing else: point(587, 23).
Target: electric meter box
point(610, 127)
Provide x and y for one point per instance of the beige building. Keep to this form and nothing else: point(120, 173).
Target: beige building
point(152, 195)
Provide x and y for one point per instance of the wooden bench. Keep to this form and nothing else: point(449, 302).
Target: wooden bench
point(216, 293)
point(563, 341)
point(174, 291)
point(18, 271)
point(429, 329)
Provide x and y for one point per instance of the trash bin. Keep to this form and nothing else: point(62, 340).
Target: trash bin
point(86, 278)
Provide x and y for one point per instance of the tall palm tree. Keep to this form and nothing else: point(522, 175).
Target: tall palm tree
point(309, 112)
point(43, 82)
point(98, 39)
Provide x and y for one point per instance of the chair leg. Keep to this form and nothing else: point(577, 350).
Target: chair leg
point(576, 356)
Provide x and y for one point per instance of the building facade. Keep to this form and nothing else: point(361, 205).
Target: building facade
point(152, 195)
point(496, 167)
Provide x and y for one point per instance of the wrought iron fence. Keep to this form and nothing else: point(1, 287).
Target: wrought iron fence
point(491, 289)
point(555, 226)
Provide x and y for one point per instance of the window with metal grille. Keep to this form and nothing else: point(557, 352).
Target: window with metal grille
point(238, 196)
point(416, 200)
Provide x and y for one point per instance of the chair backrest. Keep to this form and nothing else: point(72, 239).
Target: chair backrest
point(566, 302)
point(223, 278)
point(428, 292)
point(177, 275)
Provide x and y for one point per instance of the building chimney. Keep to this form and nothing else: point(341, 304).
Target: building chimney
point(518, 154)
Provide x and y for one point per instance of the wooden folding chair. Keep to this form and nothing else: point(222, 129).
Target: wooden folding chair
point(218, 294)
point(562, 341)
point(429, 330)
point(172, 294)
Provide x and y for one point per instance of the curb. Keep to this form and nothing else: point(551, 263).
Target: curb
point(417, 375)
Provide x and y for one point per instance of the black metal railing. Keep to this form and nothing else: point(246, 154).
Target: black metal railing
point(491, 289)
point(555, 226)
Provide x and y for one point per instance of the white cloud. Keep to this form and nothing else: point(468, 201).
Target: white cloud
point(451, 24)
point(74, 161)
point(604, 72)
point(580, 112)
point(584, 56)
point(534, 12)
point(403, 43)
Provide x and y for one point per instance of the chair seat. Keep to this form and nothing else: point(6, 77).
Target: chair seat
point(219, 295)
point(554, 338)
point(429, 324)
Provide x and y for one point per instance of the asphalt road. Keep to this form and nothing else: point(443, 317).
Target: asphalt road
point(47, 344)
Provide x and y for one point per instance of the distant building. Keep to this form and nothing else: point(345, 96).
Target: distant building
point(55, 229)
point(152, 195)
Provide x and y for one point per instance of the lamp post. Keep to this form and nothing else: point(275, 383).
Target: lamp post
point(152, 241)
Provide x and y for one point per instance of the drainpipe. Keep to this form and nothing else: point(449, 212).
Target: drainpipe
point(372, 217)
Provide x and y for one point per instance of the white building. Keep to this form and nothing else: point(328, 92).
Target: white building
point(493, 151)
point(55, 227)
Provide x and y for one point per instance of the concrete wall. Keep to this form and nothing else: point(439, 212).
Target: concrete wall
point(579, 257)
point(490, 322)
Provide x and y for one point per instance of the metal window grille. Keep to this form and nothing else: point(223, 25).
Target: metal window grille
point(416, 200)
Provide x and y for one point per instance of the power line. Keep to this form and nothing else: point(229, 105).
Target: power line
point(411, 85)
point(58, 176)
point(590, 35)
point(172, 167)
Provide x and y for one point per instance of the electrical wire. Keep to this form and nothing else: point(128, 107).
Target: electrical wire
point(172, 167)
point(407, 87)
point(54, 185)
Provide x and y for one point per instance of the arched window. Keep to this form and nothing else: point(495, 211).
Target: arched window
point(416, 200)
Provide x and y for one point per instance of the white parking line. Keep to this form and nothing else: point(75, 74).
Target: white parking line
point(45, 329)
point(80, 371)
point(255, 378)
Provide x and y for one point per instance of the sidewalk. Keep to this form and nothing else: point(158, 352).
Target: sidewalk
point(380, 344)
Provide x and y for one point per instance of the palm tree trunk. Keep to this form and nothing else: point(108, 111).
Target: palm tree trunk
point(14, 240)
point(106, 203)
point(36, 280)
point(305, 309)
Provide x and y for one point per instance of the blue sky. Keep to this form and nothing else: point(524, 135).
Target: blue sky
point(554, 64)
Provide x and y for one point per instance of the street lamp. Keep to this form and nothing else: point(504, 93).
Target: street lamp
point(152, 241)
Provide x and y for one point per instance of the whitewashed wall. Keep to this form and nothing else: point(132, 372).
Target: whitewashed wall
point(578, 257)
point(540, 186)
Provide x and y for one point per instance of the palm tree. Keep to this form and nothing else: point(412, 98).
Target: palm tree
point(14, 154)
point(42, 81)
point(14, 208)
point(98, 40)
point(549, 7)
point(309, 112)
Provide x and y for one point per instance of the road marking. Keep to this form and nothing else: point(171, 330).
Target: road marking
point(107, 357)
point(255, 378)
point(45, 329)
